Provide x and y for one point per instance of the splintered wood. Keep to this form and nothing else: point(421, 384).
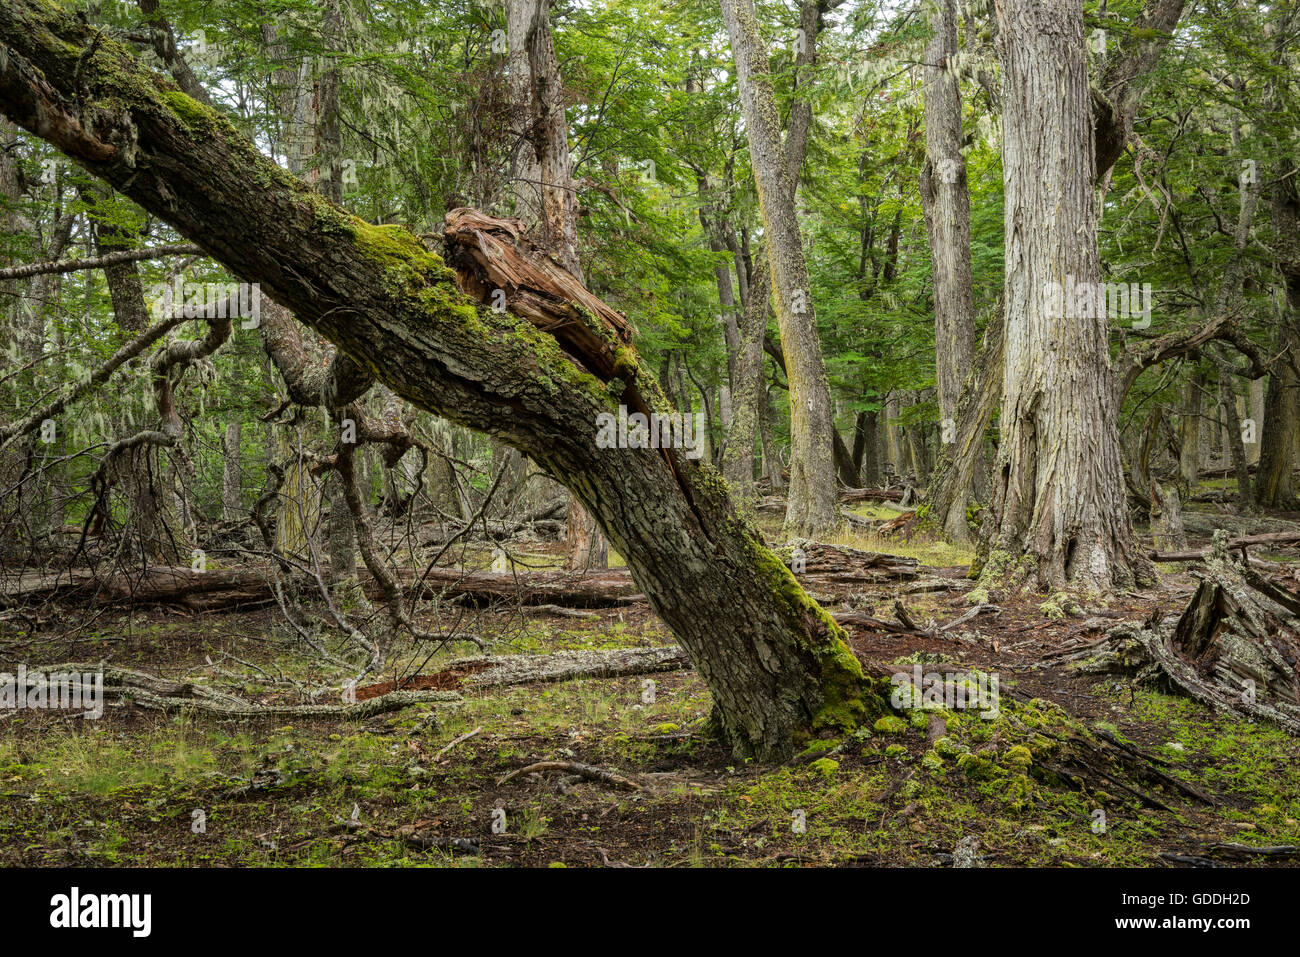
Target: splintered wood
point(500, 266)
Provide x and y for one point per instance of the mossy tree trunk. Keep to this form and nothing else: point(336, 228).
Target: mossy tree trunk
point(776, 664)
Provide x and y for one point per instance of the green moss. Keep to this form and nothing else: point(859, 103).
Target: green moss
point(932, 762)
point(1019, 758)
point(948, 748)
point(819, 746)
point(198, 118)
point(978, 768)
point(890, 724)
point(848, 696)
point(895, 751)
point(824, 767)
point(627, 364)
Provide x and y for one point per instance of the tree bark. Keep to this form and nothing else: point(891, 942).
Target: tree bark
point(963, 459)
point(811, 501)
point(1189, 430)
point(750, 390)
point(775, 663)
point(546, 199)
point(232, 503)
point(1059, 498)
point(1280, 441)
point(946, 204)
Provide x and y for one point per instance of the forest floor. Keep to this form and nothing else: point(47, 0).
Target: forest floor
point(132, 788)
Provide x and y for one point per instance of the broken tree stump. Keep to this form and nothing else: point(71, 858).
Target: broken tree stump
point(1235, 648)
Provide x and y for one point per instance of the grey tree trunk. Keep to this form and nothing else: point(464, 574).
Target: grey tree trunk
point(545, 196)
point(750, 393)
point(1060, 517)
point(1189, 430)
point(1236, 446)
point(1280, 440)
point(232, 499)
point(946, 204)
point(812, 506)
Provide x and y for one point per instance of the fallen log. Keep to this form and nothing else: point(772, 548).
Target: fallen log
point(228, 588)
point(590, 773)
point(168, 696)
point(871, 495)
point(826, 569)
point(491, 672)
point(1235, 648)
point(1233, 545)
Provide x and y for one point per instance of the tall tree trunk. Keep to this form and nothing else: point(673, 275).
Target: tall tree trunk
point(974, 411)
point(1059, 502)
point(772, 468)
point(750, 393)
point(946, 203)
point(1280, 440)
point(1189, 430)
point(812, 506)
point(232, 498)
point(545, 196)
point(1236, 447)
point(1256, 412)
point(776, 665)
point(866, 447)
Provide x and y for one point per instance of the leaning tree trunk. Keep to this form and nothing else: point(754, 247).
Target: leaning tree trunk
point(811, 503)
point(1058, 502)
point(775, 663)
point(946, 204)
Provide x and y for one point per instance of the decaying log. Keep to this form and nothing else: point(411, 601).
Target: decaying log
point(173, 697)
point(491, 672)
point(1233, 545)
point(217, 589)
point(1235, 648)
point(871, 495)
point(586, 771)
point(830, 569)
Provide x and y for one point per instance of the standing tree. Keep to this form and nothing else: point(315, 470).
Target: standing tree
point(812, 503)
point(1059, 502)
point(546, 199)
point(946, 203)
